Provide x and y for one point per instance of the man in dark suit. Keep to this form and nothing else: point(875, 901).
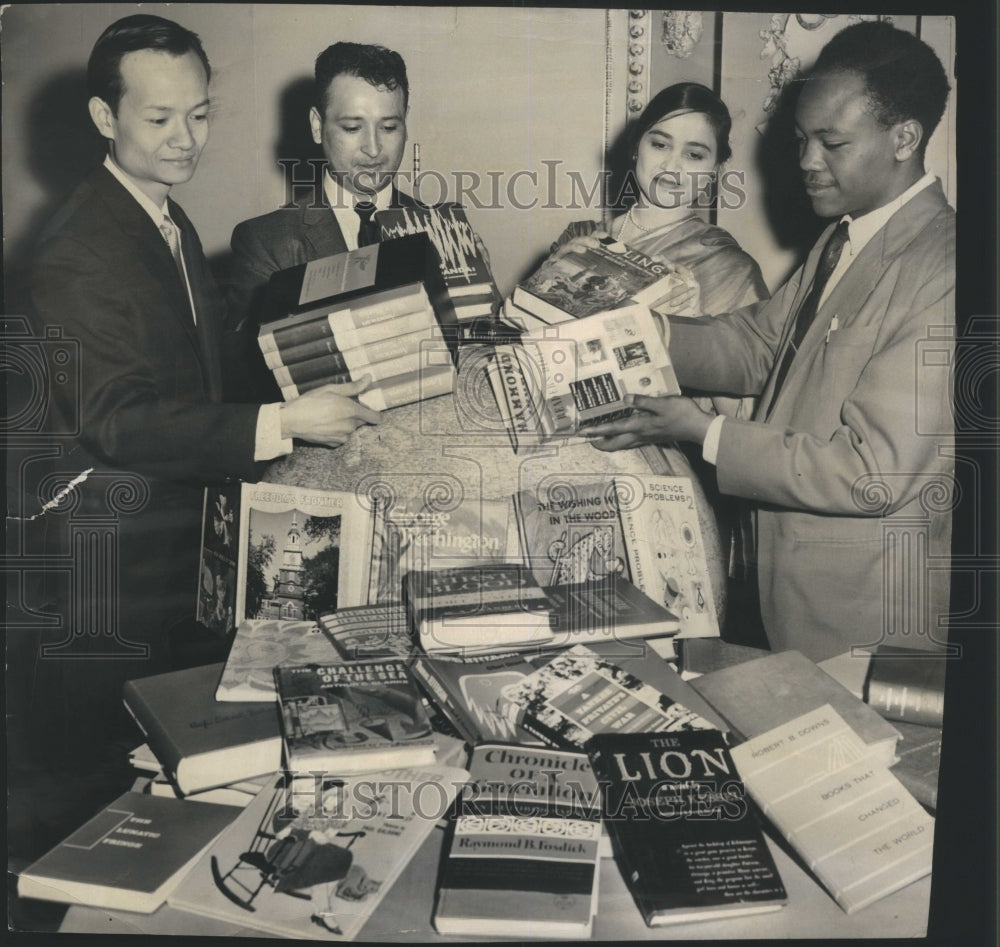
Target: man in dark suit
point(358, 117)
point(120, 269)
point(848, 456)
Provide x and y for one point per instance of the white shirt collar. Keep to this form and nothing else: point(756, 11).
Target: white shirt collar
point(156, 213)
point(861, 229)
point(341, 202)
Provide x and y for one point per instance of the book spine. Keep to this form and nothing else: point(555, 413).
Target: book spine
point(376, 347)
point(307, 375)
point(910, 703)
point(428, 383)
point(275, 338)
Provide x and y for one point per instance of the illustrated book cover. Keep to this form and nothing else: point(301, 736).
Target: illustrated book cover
point(353, 717)
point(684, 835)
point(579, 693)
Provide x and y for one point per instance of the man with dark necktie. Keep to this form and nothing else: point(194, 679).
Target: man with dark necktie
point(358, 117)
point(848, 457)
point(120, 270)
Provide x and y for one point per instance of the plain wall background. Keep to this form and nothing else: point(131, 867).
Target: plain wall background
point(496, 90)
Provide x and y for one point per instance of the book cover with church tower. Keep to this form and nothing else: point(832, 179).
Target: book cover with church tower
point(287, 599)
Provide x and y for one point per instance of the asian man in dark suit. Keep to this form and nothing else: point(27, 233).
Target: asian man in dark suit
point(849, 456)
point(120, 269)
point(358, 117)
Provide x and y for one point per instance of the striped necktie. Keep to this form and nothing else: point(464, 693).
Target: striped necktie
point(807, 312)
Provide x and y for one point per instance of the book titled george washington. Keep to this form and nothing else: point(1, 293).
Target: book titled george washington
point(353, 718)
point(684, 836)
point(522, 853)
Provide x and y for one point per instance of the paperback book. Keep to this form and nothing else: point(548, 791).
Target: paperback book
point(687, 842)
point(220, 530)
point(594, 279)
point(521, 858)
point(854, 824)
point(129, 856)
point(200, 742)
point(316, 859)
point(352, 718)
point(580, 693)
point(641, 527)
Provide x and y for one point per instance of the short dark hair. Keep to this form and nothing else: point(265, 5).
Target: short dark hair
point(692, 97)
point(903, 76)
point(129, 35)
point(375, 64)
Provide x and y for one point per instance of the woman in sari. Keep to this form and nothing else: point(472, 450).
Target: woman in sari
point(680, 143)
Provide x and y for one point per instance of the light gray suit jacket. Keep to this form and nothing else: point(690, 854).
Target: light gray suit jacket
point(851, 467)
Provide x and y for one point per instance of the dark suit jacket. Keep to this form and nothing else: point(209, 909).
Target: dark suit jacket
point(852, 469)
point(150, 419)
point(261, 247)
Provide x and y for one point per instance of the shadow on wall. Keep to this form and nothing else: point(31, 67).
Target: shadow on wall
point(62, 148)
point(790, 216)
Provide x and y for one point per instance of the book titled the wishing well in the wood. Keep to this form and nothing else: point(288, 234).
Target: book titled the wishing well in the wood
point(580, 693)
point(353, 717)
point(522, 853)
point(129, 856)
point(595, 278)
point(684, 836)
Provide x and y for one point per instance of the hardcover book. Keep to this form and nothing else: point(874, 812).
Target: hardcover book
point(129, 856)
point(854, 824)
point(579, 693)
point(220, 530)
point(467, 692)
point(906, 684)
point(315, 860)
point(352, 718)
point(643, 528)
point(759, 695)
point(509, 372)
point(356, 359)
point(201, 742)
point(687, 842)
point(522, 852)
point(494, 608)
point(595, 279)
point(368, 631)
point(464, 267)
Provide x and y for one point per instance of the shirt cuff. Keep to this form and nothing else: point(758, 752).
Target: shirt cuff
point(710, 449)
point(268, 442)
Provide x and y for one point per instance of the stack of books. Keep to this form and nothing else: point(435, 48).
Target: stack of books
point(382, 311)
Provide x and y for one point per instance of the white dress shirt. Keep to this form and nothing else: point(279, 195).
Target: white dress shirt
point(342, 202)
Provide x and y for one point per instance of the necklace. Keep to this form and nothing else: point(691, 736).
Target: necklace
point(634, 222)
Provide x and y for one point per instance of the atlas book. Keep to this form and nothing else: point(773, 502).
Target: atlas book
point(289, 565)
point(467, 693)
point(352, 717)
point(129, 856)
point(852, 822)
point(201, 742)
point(579, 693)
point(907, 684)
point(521, 858)
point(499, 607)
point(583, 372)
point(642, 527)
point(465, 269)
point(758, 695)
point(594, 279)
point(685, 838)
point(315, 859)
